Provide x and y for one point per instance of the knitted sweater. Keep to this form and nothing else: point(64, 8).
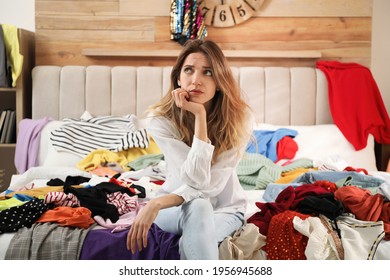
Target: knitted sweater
point(256, 171)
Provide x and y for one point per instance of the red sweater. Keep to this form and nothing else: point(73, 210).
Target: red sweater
point(355, 103)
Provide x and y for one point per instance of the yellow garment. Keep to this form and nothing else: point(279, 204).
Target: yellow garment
point(11, 42)
point(11, 202)
point(289, 176)
point(38, 192)
point(99, 157)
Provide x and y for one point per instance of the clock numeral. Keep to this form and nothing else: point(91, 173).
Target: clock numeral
point(223, 16)
point(207, 12)
point(225, 13)
point(241, 11)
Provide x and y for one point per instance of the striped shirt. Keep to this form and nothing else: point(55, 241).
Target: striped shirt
point(82, 136)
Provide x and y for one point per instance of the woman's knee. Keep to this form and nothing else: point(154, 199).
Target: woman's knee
point(200, 205)
point(199, 210)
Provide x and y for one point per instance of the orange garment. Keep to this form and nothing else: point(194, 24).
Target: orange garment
point(365, 206)
point(103, 171)
point(68, 216)
point(289, 176)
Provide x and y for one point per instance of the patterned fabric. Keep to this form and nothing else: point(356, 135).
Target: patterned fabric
point(25, 215)
point(283, 241)
point(110, 133)
point(46, 241)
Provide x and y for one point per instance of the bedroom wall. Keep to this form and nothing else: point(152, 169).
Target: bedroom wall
point(20, 13)
point(67, 30)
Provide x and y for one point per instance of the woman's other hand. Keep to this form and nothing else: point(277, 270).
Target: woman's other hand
point(138, 233)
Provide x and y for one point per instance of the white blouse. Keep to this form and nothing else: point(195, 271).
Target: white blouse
point(189, 172)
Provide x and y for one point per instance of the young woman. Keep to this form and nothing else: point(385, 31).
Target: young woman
point(202, 126)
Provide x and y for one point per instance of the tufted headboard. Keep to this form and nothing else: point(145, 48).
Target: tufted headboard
point(277, 95)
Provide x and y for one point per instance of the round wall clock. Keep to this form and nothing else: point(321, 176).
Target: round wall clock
point(225, 13)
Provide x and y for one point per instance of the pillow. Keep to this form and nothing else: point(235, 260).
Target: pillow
point(324, 142)
point(48, 156)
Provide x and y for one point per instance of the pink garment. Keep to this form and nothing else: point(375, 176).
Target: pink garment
point(123, 223)
point(355, 103)
point(27, 143)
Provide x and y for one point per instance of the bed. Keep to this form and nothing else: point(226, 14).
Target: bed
point(305, 193)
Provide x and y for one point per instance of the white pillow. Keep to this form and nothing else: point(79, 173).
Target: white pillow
point(48, 156)
point(321, 142)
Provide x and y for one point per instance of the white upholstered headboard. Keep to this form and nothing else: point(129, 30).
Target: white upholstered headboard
point(278, 95)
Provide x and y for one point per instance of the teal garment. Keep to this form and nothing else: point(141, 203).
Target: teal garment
point(145, 161)
point(256, 171)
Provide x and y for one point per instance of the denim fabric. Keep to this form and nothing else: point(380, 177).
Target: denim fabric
point(273, 190)
point(201, 229)
point(341, 177)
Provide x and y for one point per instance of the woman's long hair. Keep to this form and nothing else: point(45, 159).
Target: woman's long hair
point(227, 120)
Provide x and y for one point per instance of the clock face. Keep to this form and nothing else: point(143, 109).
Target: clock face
point(225, 13)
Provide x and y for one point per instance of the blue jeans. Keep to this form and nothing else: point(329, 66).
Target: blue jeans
point(201, 229)
point(353, 178)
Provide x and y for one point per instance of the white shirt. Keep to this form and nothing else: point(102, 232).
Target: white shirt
point(190, 174)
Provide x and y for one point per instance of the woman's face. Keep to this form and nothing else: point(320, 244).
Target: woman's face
point(196, 77)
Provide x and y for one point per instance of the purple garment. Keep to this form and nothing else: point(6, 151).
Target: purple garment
point(27, 143)
point(102, 244)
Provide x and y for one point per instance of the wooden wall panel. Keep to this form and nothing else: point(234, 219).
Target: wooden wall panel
point(76, 7)
point(295, 29)
point(63, 22)
point(145, 7)
point(316, 8)
point(336, 29)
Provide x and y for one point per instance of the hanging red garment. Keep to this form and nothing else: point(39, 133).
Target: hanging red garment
point(355, 103)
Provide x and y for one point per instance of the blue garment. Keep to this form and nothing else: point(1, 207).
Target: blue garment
point(351, 178)
point(266, 141)
point(201, 229)
point(273, 190)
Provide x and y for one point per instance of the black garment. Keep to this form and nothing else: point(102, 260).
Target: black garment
point(324, 204)
point(25, 215)
point(69, 181)
point(95, 198)
point(5, 66)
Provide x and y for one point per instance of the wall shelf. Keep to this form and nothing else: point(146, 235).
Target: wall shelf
point(228, 53)
point(7, 89)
